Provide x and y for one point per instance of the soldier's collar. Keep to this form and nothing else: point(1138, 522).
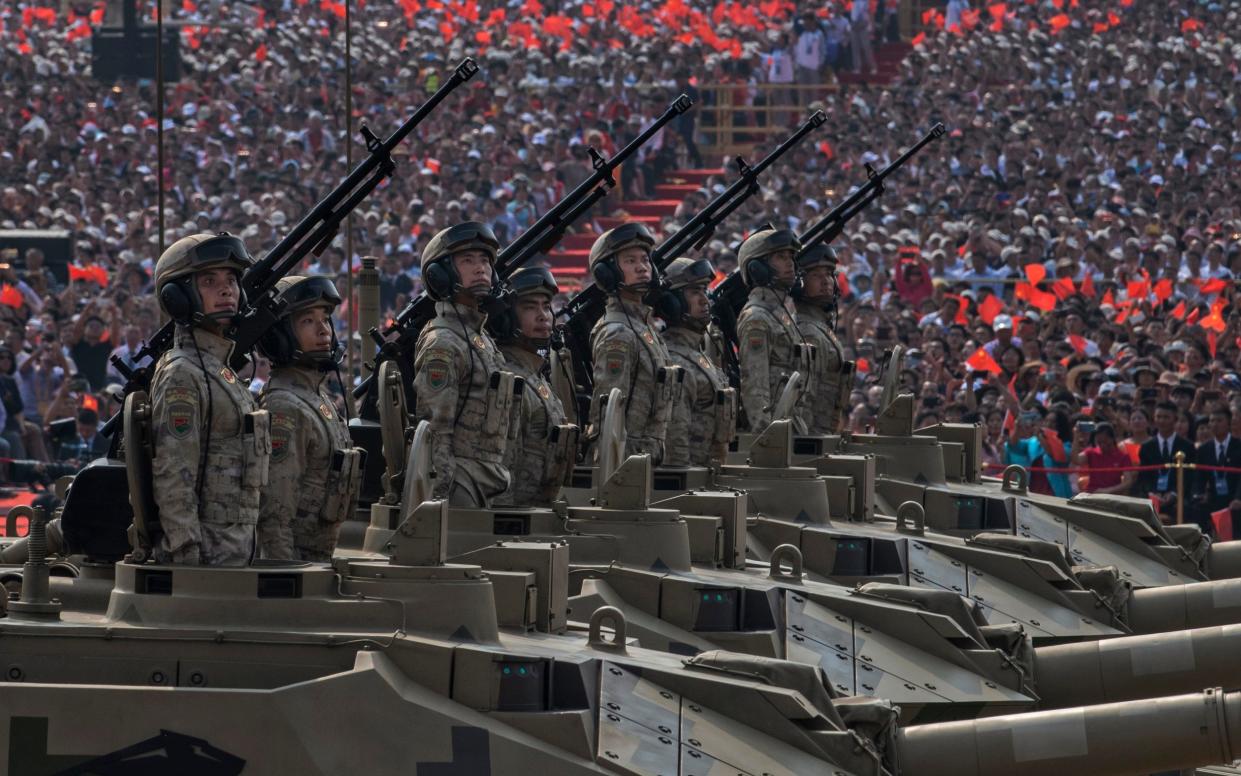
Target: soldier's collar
point(471, 316)
point(768, 294)
point(209, 342)
point(811, 310)
point(298, 376)
point(636, 309)
point(683, 334)
point(524, 356)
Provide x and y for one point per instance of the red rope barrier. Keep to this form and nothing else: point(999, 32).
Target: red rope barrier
point(1113, 469)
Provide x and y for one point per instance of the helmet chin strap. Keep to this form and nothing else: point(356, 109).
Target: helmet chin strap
point(695, 324)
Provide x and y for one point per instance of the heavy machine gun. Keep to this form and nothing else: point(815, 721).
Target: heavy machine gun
point(729, 297)
point(587, 307)
point(539, 238)
point(312, 234)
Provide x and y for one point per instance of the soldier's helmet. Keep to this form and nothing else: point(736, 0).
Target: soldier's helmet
point(752, 257)
point(525, 282)
point(439, 276)
point(175, 270)
point(602, 254)
point(681, 274)
point(816, 256)
point(279, 343)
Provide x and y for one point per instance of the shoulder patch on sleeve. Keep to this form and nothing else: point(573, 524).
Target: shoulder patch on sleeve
point(282, 430)
point(614, 362)
point(437, 369)
point(182, 414)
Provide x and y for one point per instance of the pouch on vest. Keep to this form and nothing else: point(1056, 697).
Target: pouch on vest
point(725, 416)
point(514, 417)
point(255, 448)
point(562, 450)
point(807, 357)
point(341, 489)
point(499, 406)
point(667, 383)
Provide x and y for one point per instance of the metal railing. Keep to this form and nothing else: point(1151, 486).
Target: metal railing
point(738, 117)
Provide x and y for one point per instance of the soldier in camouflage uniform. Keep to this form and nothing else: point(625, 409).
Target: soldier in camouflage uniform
point(628, 351)
point(768, 342)
point(315, 469)
point(816, 305)
point(211, 443)
point(704, 420)
point(544, 449)
point(453, 366)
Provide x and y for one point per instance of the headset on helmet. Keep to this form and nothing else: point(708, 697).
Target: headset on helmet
point(752, 257)
point(279, 343)
point(681, 274)
point(439, 275)
point(816, 256)
point(181, 261)
point(603, 268)
point(526, 281)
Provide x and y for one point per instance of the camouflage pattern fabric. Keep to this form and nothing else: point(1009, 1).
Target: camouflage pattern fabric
point(314, 480)
point(628, 354)
point(821, 411)
point(217, 530)
point(701, 425)
point(452, 371)
point(537, 465)
point(767, 340)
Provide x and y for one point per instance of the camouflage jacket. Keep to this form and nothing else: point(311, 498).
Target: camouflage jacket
point(538, 458)
point(629, 354)
point(704, 419)
point(314, 479)
point(203, 419)
point(767, 345)
point(455, 359)
point(822, 408)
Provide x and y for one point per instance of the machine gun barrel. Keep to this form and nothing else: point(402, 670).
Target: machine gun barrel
point(729, 296)
point(830, 226)
point(1114, 739)
point(540, 237)
point(586, 308)
point(312, 234)
point(699, 229)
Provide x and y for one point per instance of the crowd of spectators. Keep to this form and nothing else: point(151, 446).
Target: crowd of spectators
point(1079, 224)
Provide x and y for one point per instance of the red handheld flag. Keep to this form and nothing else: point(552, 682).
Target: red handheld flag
point(1138, 289)
point(1087, 288)
point(1212, 286)
point(1063, 288)
point(982, 361)
point(989, 308)
point(1163, 289)
point(1078, 342)
point(863, 365)
point(1178, 312)
point(1036, 273)
point(1223, 524)
point(1043, 300)
point(11, 296)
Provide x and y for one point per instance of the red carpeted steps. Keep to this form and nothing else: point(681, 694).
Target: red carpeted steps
point(571, 255)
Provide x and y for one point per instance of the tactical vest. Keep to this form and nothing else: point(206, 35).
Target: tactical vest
point(786, 353)
point(486, 410)
point(238, 443)
point(329, 482)
point(544, 450)
point(650, 386)
point(712, 403)
point(823, 407)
